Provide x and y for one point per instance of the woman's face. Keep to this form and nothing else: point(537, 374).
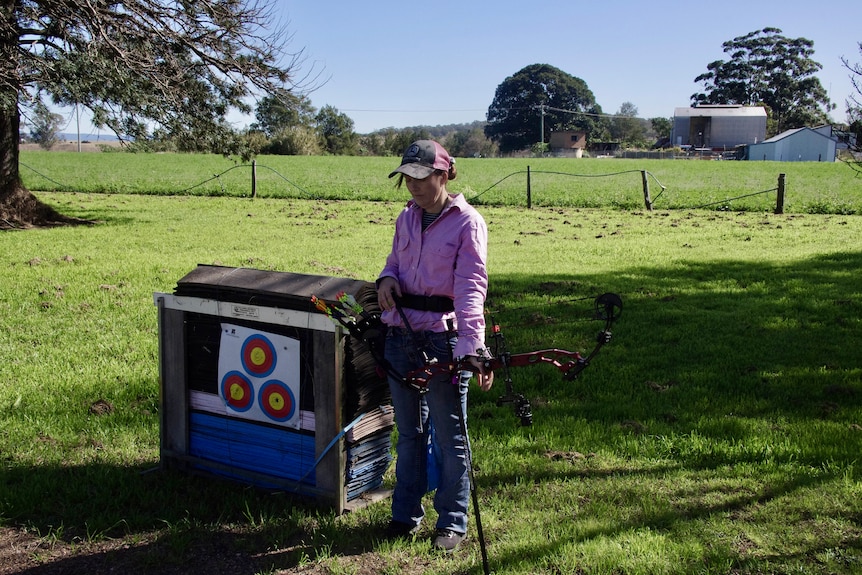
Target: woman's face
point(428, 193)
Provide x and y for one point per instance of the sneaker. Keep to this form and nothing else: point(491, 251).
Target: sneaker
point(448, 540)
point(397, 529)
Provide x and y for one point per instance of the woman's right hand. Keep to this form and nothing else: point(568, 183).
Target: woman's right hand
point(485, 379)
point(385, 290)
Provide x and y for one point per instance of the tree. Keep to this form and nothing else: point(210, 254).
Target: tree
point(44, 126)
point(854, 112)
point(662, 128)
point(537, 100)
point(283, 110)
point(626, 127)
point(294, 141)
point(336, 131)
point(470, 143)
point(141, 67)
point(768, 68)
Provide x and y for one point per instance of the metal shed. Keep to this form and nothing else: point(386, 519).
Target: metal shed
point(798, 145)
point(718, 126)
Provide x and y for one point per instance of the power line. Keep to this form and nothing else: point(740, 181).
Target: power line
point(514, 109)
point(407, 111)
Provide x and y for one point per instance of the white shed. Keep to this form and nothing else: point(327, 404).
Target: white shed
point(718, 126)
point(798, 145)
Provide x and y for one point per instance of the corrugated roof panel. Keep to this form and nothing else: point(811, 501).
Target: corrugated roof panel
point(721, 111)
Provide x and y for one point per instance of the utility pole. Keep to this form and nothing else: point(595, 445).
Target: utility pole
point(542, 124)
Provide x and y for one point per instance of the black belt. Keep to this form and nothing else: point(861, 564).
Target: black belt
point(437, 303)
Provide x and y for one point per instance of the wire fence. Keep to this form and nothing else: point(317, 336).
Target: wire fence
point(649, 202)
point(646, 176)
point(254, 166)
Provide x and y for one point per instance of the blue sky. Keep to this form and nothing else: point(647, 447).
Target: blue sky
point(427, 62)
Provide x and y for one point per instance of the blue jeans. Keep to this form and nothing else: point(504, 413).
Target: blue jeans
point(445, 403)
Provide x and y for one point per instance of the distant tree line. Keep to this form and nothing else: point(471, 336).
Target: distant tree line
point(765, 69)
point(289, 124)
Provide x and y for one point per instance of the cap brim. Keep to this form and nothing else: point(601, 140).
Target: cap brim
point(416, 171)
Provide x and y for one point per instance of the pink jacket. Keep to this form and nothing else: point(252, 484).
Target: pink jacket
point(447, 259)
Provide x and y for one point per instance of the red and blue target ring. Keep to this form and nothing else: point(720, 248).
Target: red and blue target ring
point(237, 391)
point(276, 400)
point(258, 355)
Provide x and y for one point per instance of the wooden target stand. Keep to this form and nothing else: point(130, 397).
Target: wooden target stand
point(325, 436)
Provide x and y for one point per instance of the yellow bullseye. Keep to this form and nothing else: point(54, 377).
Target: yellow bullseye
point(257, 356)
point(276, 401)
point(236, 392)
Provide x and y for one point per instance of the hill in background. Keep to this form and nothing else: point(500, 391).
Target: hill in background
point(69, 143)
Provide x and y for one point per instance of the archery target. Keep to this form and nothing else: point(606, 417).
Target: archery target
point(276, 400)
point(258, 355)
point(237, 391)
point(259, 374)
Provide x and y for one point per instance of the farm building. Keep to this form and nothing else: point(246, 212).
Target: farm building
point(798, 145)
point(718, 126)
point(568, 142)
point(845, 139)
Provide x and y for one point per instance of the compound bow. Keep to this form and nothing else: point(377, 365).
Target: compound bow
point(368, 327)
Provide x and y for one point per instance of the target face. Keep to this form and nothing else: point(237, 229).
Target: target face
point(237, 391)
point(259, 376)
point(276, 400)
point(258, 355)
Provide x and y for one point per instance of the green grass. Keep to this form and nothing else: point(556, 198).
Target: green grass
point(719, 432)
point(811, 187)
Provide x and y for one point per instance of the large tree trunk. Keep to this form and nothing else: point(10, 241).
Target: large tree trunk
point(10, 123)
point(18, 207)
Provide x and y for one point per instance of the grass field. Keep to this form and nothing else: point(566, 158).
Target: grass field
point(811, 187)
point(719, 432)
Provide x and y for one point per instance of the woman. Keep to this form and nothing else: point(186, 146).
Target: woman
point(432, 293)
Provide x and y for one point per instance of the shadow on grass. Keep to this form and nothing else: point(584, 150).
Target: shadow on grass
point(729, 363)
point(135, 520)
point(701, 349)
point(735, 339)
point(662, 519)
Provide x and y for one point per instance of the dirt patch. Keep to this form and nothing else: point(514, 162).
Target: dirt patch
point(163, 553)
point(20, 210)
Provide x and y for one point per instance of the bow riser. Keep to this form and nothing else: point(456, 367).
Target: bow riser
point(561, 359)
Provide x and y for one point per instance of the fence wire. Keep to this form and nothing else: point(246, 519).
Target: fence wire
point(724, 201)
point(528, 171)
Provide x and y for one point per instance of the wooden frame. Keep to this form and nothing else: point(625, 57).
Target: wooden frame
point(327, 366)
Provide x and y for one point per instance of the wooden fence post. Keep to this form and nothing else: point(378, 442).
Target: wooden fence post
point(529, 192)
point(254, 178)
point(647, 200)
point(779, 202)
